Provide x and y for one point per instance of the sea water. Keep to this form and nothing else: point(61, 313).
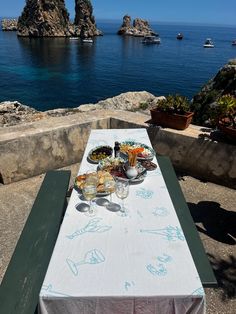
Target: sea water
point(50, 73)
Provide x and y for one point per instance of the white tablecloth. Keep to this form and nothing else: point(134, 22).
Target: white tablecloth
point(113, 262)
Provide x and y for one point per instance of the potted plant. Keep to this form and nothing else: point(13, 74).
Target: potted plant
point(173, 112)
point(223, 115)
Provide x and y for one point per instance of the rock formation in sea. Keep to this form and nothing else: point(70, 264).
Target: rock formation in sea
point(139, 27)
point(14, 113)
point(44, 18)
point(9, 24)
point(84, 22)
point(223, 83)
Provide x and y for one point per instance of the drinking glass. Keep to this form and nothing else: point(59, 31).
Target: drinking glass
point(92, 176)
point(89, 192)
point(109, 185)
point(122, 190)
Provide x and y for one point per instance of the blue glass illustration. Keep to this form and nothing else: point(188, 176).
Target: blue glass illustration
point(129, 285)
point(164, 258)
point(199, 291)
point(92, 226)
point(145, 193)
point(160, 270)
point(169, 233)
point(160, 211)
point(49, 291)
point(139, 214)
point(91, 257)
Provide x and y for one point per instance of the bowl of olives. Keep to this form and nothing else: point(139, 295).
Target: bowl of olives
point(99, 153)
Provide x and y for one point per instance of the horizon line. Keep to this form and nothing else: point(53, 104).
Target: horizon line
point(150, 21)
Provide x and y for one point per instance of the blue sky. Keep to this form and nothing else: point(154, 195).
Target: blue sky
point(188, 11)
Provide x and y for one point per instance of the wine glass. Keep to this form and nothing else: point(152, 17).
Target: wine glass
point(89, 191)
point(122, 190)
point(92, 176)
point(109, 185)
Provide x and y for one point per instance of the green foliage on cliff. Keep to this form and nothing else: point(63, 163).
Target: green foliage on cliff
point(223, 83)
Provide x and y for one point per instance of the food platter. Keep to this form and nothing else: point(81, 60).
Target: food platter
point(147, 154)
point(117, 167)
point(80, 181)
point(98, 153)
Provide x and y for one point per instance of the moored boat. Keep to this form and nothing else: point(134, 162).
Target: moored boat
point(151, 40)
point(180, 36)
point(208, 43)
point(234, 42)
point(87, 40)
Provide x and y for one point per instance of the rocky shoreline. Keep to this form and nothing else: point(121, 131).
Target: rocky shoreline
point(14, 113)
point(9, 25)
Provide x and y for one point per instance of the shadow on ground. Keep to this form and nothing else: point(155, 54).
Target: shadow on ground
point(218, 223)
point(225, 272)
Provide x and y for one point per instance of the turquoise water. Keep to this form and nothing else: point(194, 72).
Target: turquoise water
point(59, 72)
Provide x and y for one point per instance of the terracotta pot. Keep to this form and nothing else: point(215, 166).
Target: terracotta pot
point(170, 120)
point(228, 130)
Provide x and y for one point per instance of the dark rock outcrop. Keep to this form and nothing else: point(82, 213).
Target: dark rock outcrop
point(140, 27)
point(9, 24)
point(85, 25)
point(223, 83)
point(44, 18)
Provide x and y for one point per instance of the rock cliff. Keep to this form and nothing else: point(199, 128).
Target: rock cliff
point(9, 24)
point(139, 28)
point(85, 25)
point(14, 113)
point(44, 18)
point(223, 83)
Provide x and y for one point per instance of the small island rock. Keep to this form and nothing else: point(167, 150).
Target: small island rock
point(9, 24)
point(140, 27)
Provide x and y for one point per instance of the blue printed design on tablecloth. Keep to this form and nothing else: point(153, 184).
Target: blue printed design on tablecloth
point(198, 291)
point(94, 225)
point(161, 211)
point(164, 258)
point(91, 257)
point(169, 233)
point(139, 214)
point(144, 193)
point(158, 270)
point(49, 291)
point(128, 285)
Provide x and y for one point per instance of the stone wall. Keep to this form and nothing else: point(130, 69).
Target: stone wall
point(33, 148)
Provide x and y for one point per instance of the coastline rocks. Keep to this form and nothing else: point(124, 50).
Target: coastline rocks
point(84, 23)
point(14, 113)
point(223, 83)
point(140, 27)
point(44, 18)
point(9, 24)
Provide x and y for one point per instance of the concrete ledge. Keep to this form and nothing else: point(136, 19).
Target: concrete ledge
point(31, 149)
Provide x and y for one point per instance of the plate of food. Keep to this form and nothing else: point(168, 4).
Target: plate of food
point(117, 167)
point(99, 153)
point(145, 151)
point(101, 175)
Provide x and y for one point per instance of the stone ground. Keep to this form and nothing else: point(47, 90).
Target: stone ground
point(213, 208)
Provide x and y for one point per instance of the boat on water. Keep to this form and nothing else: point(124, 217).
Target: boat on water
point(87, 40)
point(151, 40)
point(74, 38)
point(208, 43)
point(180, 36)
point(234, 42)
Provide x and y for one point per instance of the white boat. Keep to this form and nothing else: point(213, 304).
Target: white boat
point(208, 43)
point(87, 40)
point(74, 38)
point(151, 40)
point(180, 36)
